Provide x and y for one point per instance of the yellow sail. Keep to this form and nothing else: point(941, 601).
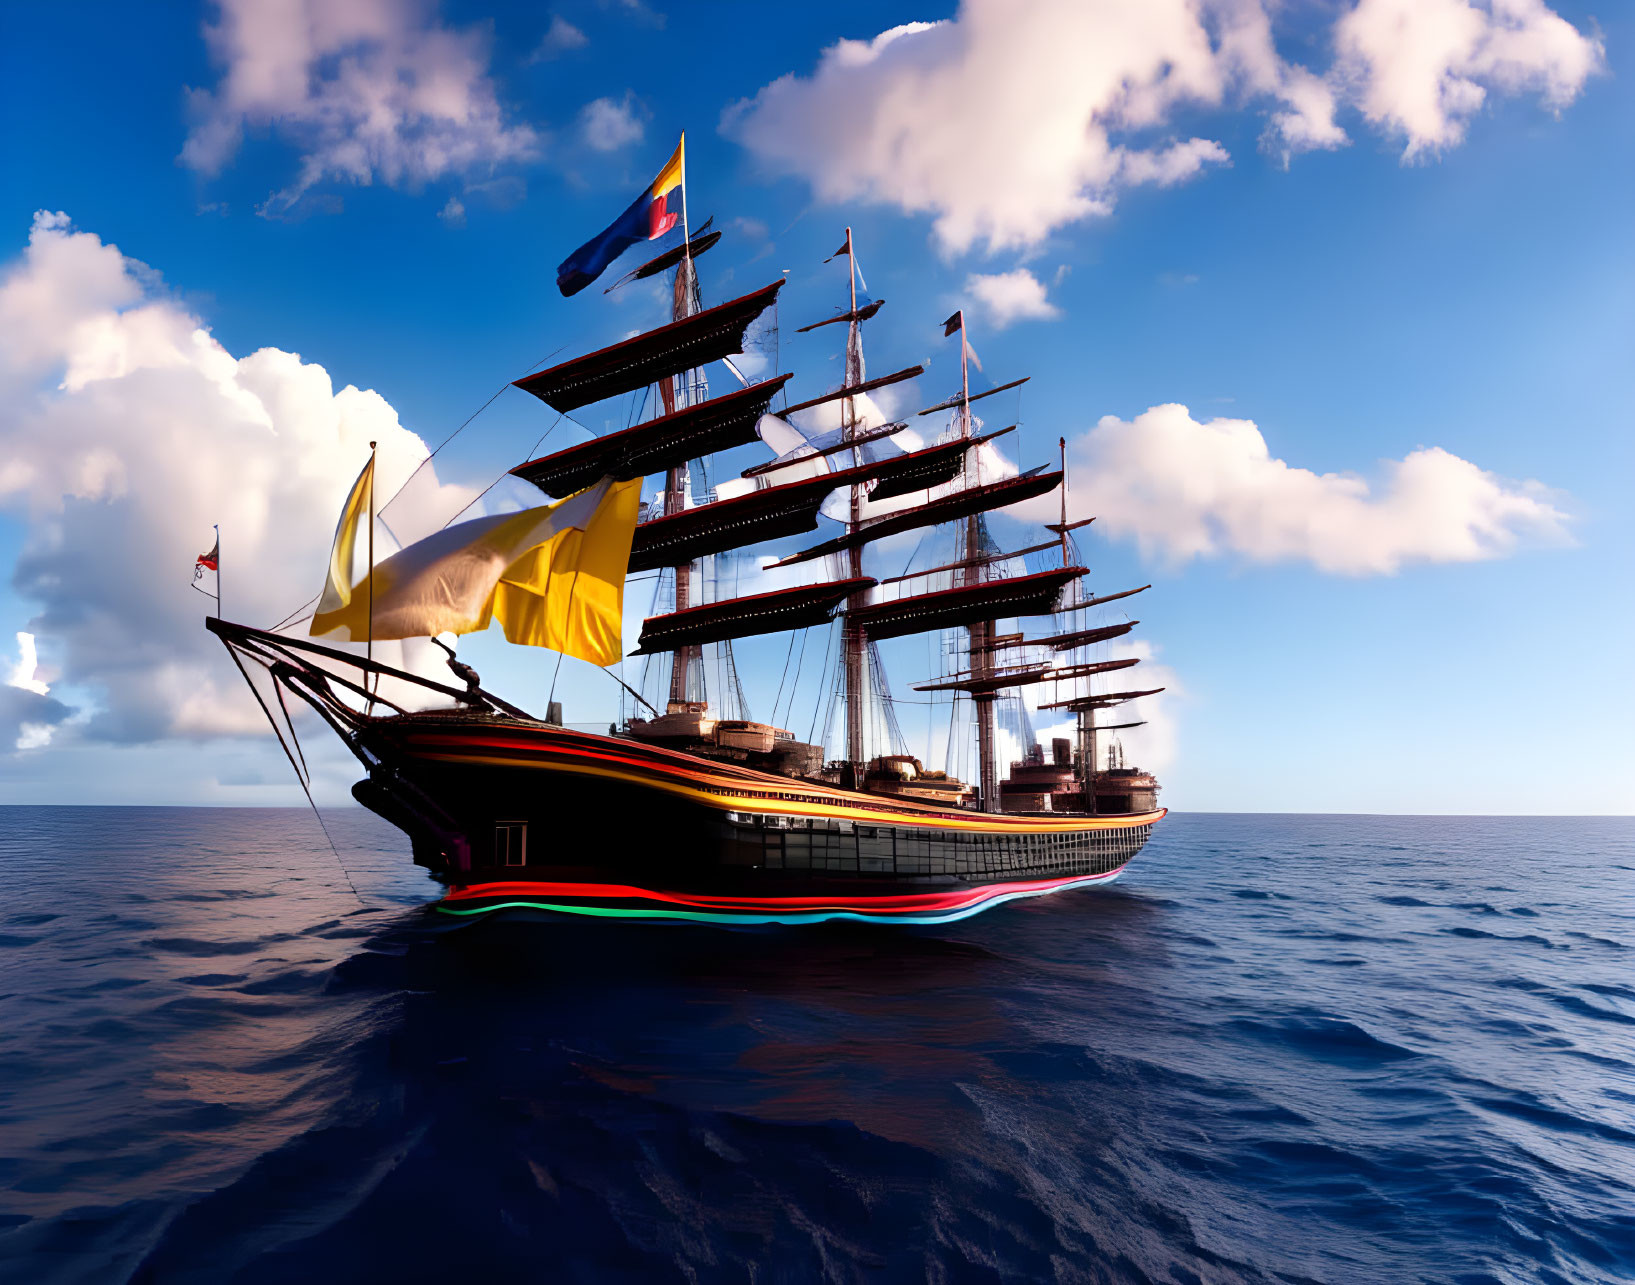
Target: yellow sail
point(552, 576)
point(338, 575)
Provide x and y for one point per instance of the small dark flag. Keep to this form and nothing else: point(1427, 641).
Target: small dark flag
point(845, 249)
point(956, 322)
point(208, 561)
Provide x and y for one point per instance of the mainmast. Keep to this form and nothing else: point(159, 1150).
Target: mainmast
point(684, 303)
point(853, 640)
point(981, 631)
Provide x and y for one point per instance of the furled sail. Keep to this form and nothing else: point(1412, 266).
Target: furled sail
point(760, 613)
point(655, 444)
point(703, 240)
point(856, 314)
point(975, 499)
point(769, 512)
point(961, 399)
point(649, 357)
point(1033, 595)
point(1066, 642)
point(855, 390)
point(977, 684)
point(1081, 704)
point(822, 452)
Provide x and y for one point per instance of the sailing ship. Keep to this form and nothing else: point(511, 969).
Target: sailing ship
point(695, 812)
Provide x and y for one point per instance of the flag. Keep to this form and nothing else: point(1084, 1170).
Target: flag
point(648, 218)
point(845, 249)
point(956, 322)
point(210, 561)
point(552, 576)
point(357, 510)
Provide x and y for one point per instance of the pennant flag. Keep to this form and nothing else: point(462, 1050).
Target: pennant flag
point(208, 561)
point(552, 576)
point(845, 249)
point(354, 513)
point(647, 219)
point(956, 322)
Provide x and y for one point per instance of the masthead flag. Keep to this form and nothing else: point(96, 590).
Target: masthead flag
point(208, 561)
point(648, 218)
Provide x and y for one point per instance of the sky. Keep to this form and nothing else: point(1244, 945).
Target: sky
point(1333, 301)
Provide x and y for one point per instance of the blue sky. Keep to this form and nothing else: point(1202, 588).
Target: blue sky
point(1354, 306)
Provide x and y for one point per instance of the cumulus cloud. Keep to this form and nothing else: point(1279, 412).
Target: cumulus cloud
point(366, 91)
point(126, 431)
point(28, 716)
point(1009, 121)
point(1183, 489)
point(1424, 67)
point(453, 212)
point(607, 124)
point(561, 37)
point(1011, 296)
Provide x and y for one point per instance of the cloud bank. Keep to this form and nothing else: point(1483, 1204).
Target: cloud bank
point(1010, 121)
point(126, 431)
point(377, 91)
point(1185, 489)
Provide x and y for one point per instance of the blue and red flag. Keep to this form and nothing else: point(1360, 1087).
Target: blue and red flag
point(647, 219)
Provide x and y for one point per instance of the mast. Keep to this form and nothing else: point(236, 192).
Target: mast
point(1086, 717)
point(675, 480)
point(981, 631)
point(853, 641)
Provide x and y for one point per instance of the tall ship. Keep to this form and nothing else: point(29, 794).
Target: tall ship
point(687, 807)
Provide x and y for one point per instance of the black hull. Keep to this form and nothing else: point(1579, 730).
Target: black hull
point(508, 812)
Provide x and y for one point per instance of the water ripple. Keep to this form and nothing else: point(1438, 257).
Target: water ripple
point(1295, 1049)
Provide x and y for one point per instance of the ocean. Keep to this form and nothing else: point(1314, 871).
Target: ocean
point(1281, 1048)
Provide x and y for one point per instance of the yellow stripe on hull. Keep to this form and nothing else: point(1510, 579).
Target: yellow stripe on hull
point(720, 799)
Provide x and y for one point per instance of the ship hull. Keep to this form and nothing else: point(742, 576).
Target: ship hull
point(512, 813)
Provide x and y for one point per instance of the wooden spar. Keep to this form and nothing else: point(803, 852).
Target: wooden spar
point(1106, 597)
point(654, 356)
point(856, 314)
point(854, 390)
point(761, 613)
point(873, 435)
point(1066, 642)
point(704, 241)
point(972, 500)
point(1024, 678)
point(1101, 702)
point(984, 559)
point(966, 398)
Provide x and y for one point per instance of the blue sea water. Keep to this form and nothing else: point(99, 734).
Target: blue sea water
point(1282, 1048)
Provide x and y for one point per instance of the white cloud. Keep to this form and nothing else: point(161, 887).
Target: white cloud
point(1184, 489)
point(453, 212)
point(608, 124)
point(561, 37)
point(23, 674)
point(1011, 296)
point(28, 716)
point(126, 431)
point(1424, 67)
point(367, 91)
point(1010, 121)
